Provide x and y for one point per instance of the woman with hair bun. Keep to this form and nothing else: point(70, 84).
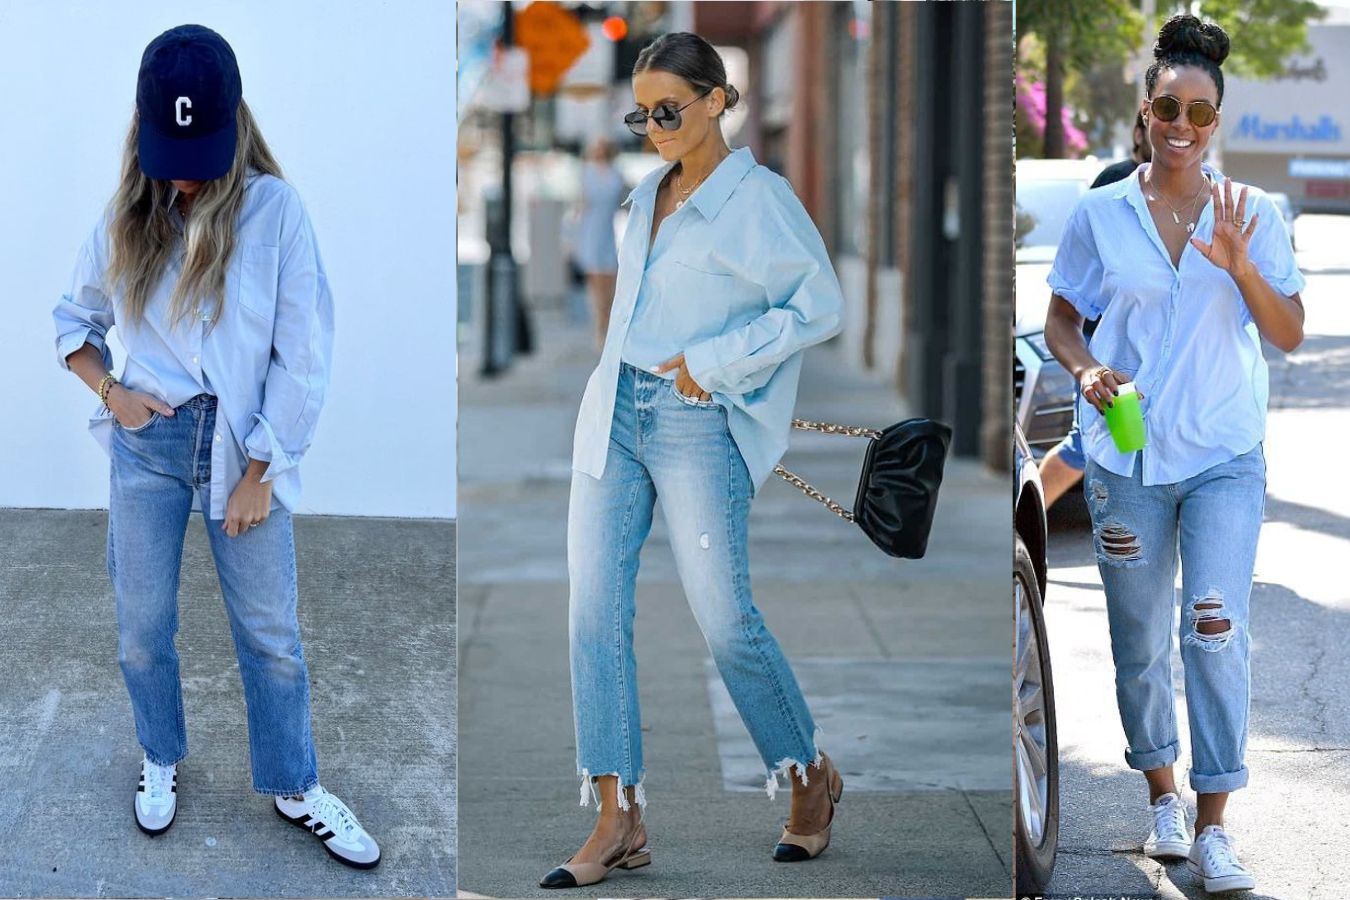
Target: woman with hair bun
point(723, 280)
point(1186, 276)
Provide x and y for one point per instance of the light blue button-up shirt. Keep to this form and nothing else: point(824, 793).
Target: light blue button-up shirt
point(739, 282)
point(1183, 334)
point(266, 359)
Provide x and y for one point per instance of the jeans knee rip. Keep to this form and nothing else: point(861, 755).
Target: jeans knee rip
point(1210, 630)
point(589, 791)
point(1118, 546)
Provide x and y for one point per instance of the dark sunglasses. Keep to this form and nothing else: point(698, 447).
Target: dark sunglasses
point(666, 116)
point(1201, 112)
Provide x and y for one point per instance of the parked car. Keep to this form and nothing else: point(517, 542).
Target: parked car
point(1035, 740)
point(1043, 392)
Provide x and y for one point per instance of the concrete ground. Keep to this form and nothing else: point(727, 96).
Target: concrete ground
point(1290, 822)
point(904, 663)
point(377, 614)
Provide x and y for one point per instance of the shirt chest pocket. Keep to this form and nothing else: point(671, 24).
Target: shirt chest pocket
point(255, 271)
point(697, 303)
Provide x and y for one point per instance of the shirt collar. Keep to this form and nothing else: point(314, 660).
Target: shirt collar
point(710, 196)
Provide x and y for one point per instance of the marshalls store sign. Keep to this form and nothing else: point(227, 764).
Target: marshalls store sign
point(1305, 110)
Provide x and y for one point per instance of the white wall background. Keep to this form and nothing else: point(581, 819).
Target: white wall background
point(357, 102)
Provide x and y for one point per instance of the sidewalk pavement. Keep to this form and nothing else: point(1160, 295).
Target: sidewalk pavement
point(377, 616)
point(905, 664)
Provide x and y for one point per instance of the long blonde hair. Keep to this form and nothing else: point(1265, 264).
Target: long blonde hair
point(143, 238)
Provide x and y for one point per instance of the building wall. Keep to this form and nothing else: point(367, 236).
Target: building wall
point(358, 106)
point(998, 278)
point(1302, 115)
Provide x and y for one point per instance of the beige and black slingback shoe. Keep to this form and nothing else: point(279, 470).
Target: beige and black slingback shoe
point(633, 854)
point(793, 847)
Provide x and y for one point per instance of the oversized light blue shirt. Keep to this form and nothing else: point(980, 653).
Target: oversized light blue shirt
point(740, 283)
point(266, 359)
point(1183, 334)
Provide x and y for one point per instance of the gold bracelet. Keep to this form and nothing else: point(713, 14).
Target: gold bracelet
point(104, 386)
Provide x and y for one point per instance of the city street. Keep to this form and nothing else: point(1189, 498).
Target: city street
point(1299, 745)
point(376, 614)
point(905, 665)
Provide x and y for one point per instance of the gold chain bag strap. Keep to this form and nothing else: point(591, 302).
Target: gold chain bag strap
point(800, 483)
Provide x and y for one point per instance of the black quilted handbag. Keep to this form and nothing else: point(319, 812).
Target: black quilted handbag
point(898, 488)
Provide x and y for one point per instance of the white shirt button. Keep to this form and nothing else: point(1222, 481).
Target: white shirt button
point(217, 437)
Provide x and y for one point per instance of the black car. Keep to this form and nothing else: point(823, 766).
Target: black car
point(1035, 743)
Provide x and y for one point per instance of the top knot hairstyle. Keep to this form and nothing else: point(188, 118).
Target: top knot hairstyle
point(690, 57)
point(1186, 41)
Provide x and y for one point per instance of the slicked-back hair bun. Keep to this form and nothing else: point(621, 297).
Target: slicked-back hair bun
point(1186, 41)
point(690, 57)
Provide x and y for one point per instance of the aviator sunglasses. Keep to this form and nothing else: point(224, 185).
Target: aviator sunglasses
point(666, 116)
point(1201, 112)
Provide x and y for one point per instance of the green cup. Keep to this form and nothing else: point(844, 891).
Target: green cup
point(1125, 419)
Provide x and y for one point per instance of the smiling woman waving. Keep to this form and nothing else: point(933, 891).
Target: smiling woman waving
point(1186, 274)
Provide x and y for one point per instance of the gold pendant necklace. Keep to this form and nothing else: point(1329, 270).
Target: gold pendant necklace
point(1176, 216)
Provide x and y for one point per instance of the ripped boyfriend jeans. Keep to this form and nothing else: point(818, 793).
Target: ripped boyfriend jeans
point(666, 445)
point(1213, 519)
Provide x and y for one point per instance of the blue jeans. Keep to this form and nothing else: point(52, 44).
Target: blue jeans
point(1213, 520)
point(156, 469)
point(679, 449)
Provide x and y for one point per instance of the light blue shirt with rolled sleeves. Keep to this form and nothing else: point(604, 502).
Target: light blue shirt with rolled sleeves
point(738, 281)
point(266, 359)
point(1183, 334)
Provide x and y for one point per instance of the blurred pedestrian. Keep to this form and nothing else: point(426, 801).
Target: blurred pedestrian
point(1178, 269)
point(207, 264)
point(724, 280)
point(602, 189)
point(1062, 467)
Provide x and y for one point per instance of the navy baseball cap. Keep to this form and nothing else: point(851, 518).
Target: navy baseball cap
point(187, 95)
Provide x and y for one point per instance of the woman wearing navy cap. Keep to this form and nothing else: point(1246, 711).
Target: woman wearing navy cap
point(206, 262)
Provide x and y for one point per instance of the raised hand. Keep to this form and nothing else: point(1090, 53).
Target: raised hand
point(1232, 231)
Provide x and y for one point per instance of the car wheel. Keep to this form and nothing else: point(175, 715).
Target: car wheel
point(1035, 743)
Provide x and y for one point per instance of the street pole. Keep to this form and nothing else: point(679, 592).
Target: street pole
point(499, 324)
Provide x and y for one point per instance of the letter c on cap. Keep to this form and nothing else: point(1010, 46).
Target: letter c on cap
point(179, 105)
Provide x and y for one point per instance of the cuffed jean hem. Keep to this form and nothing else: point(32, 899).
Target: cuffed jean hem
point(309, 785)
point(1218, 784)
point(1153, 759)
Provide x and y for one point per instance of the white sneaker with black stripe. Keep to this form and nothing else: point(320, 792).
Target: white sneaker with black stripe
point(156, 798)
point(329, 819)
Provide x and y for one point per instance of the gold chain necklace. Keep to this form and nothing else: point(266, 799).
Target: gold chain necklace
point(1176, 215)
point(682, 190)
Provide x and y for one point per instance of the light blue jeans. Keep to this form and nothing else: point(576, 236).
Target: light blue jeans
point(156, 469)
point(1212, 520)
point(664, 445)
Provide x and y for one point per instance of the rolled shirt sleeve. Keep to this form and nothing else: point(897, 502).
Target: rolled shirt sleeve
point(1077, 271)
point(85, 314)
point(302, 347)
point(1271, 250)
point(785, 254)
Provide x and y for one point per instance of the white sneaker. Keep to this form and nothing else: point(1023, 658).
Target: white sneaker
point(329, 819)
point(1169, 838)
point(156, 798)
point(1214, 859)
